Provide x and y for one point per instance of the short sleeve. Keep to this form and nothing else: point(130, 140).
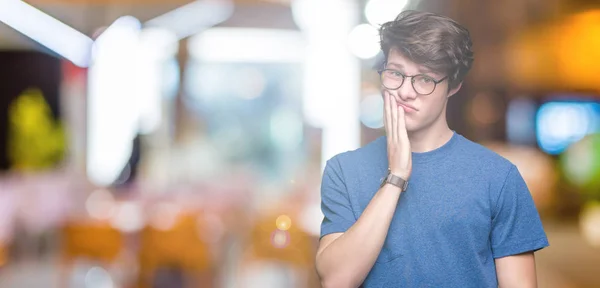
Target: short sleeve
point(335, 204)
point(516, 224)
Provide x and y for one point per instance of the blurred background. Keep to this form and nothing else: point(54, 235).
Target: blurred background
point(148, 143)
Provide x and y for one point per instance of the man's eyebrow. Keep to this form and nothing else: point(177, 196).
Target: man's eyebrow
point(422, 70)
point(426, 71)
point(399, 66)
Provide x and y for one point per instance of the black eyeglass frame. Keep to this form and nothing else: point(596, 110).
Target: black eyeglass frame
point(412, 80)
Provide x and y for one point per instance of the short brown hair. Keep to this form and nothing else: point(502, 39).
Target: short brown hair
point(434, 41)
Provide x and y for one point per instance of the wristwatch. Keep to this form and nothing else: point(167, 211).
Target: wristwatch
point(394, 180)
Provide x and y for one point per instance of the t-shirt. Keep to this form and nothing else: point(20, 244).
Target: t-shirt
point(465, 206)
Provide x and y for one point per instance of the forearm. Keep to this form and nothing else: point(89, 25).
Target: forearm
point(346, 262)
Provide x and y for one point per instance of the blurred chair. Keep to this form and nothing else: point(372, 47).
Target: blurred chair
point(288, 247)
point(3, 256)
point(293, 246)
point(92, 240)
point(176, 248)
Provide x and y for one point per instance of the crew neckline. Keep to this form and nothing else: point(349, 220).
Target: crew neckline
point(438, 153)
point(435, 154)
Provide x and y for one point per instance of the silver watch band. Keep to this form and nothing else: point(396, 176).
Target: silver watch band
point(396, 181)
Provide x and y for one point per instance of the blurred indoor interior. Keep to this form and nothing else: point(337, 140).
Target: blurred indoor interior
point(155, 143)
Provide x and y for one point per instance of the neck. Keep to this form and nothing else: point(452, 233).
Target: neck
point(431, 137)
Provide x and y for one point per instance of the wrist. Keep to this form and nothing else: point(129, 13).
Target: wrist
point(395, 180)
point(391, 188)
point(399, 173)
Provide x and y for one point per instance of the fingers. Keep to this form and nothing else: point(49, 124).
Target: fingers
point(387, 115)
point(401, 127)
point(386, 111)
point(394, 108)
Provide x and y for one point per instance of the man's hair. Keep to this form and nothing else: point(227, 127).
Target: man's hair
point(434, 41)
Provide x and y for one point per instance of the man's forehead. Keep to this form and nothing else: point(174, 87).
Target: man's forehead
point(395, 64)
point(397, 60)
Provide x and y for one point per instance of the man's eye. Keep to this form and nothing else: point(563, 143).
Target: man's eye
point(426, 80)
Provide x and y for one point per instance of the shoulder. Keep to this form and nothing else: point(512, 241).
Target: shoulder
point(483, 159)
point(487, 167)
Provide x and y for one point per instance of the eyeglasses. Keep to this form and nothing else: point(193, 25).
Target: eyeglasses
point(423, 84)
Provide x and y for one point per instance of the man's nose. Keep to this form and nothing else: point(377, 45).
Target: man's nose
point(406, 91)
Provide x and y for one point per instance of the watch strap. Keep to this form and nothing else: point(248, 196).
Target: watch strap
point(396, 181)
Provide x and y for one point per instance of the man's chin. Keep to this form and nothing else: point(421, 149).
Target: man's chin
point(411, 126)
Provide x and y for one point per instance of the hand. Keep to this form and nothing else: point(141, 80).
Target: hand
point(398, 145)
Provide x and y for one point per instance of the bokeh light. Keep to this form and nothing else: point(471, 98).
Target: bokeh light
point(563, 123)
point(381, 11)
point(97, 277)
point(100, 204)
point(590, 223)
point(164, 216)
point(483, 109)
point(363, 41)
point(581, 163)
point(128, 217)
point(283, 222)
point(113, 100)
point(371, 111)
point(280, 239)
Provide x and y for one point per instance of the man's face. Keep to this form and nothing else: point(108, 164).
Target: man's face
point(421, 111)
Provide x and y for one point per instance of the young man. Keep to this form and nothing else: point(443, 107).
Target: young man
point(449, 212)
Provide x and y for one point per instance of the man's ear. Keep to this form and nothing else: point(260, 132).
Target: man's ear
point(454, 90)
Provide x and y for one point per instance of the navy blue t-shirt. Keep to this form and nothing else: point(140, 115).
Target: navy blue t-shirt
point(465, 206)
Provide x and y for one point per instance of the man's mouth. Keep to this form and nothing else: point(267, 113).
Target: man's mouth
point(407, 108)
